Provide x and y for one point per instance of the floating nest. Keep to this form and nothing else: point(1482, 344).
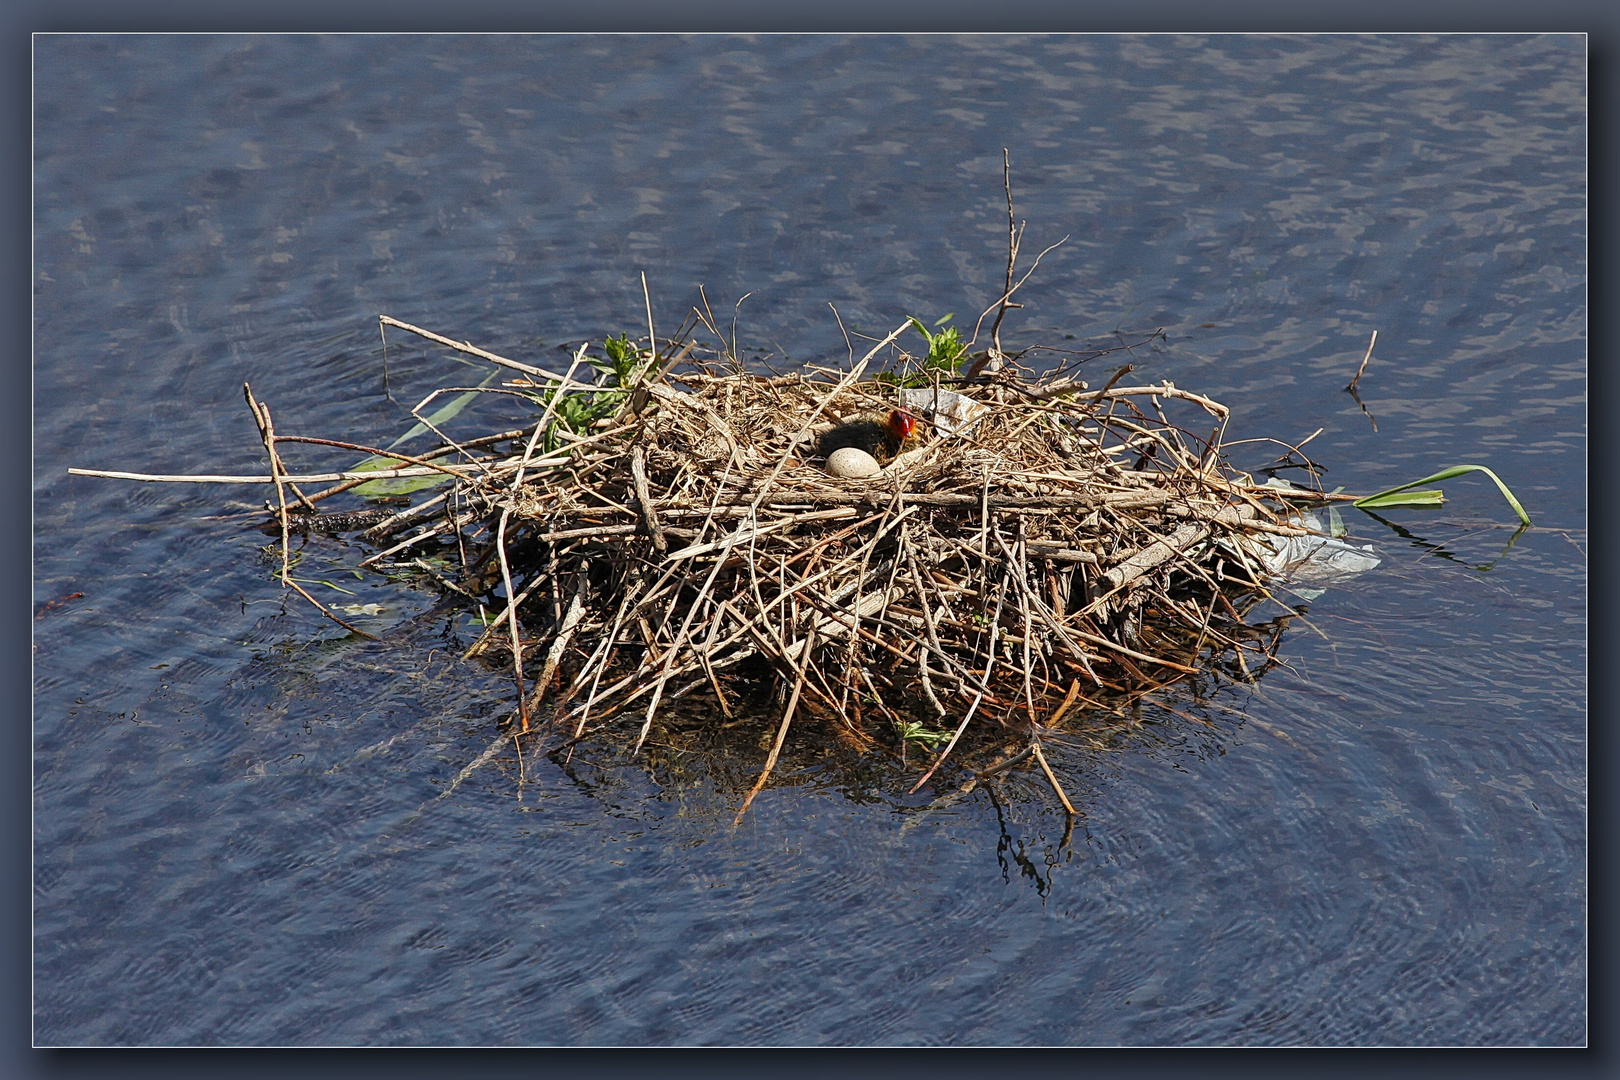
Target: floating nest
point(1036, 548)
point(1036, 551)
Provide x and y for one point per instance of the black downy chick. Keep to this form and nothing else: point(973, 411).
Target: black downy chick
point(880, 438)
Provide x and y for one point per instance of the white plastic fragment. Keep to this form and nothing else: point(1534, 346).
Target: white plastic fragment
point(950, 411)
point(1319, 560)
point(1316, 559)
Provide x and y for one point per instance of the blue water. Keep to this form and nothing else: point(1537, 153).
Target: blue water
point(239, 837)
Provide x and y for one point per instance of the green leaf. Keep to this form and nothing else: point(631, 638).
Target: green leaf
point(915, 732)
point(405, 485)
point(624, 359)
point(945, 351)
point(1369, 502)
point(394, 485)
point(323, 581)
point(446, 414)
point(1426, 498)
point(577, 411)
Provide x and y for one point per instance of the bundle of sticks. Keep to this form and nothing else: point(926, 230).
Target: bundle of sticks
point(1063, 544)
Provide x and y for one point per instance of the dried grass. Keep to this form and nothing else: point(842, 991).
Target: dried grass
point(1069, 542)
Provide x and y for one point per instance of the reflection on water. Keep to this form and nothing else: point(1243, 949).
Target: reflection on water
point(238, 830)
point(1440, 551)
point(689, 756)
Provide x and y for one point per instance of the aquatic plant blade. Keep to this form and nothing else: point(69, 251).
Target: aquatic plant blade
point(405, 485)
point(1447, 473)
point(1429, 497)
point(448, 413)
point(394, 485)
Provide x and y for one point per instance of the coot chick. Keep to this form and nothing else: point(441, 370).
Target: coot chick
point(882, 438)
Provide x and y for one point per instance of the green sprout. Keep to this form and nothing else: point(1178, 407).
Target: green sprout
point(914, 732)
point(945, 349)
point(577, 411)
point(624, 361)
point(944, 358)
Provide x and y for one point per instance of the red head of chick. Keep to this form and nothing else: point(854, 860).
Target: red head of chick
point(882, 438)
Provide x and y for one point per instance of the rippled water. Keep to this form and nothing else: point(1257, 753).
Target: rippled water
point(238, 834)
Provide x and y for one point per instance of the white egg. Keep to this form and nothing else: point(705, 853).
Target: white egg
point(852, 463)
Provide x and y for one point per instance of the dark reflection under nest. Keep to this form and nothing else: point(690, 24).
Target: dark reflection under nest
point(1027, 772)
point(700, 766)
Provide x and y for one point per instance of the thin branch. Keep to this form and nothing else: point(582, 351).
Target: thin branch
point(1363, 367)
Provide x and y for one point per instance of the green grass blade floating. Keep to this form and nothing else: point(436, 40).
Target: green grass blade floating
point(406, 485)
point(445, 414)
point(1378, 500)
point(394, 485)
point(1428, 497)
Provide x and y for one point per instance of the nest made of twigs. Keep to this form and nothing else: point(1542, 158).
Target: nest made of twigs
point(1067, 544)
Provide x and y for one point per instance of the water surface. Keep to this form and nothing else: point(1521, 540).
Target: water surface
point(238, 835)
